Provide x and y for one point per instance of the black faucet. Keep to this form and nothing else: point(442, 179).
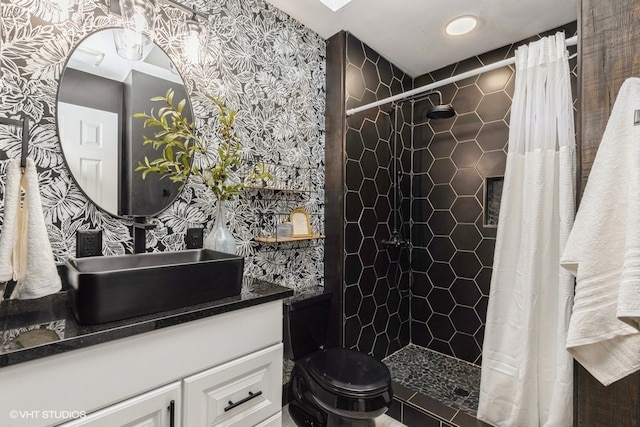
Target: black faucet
point(395, 240)
point(139, 233)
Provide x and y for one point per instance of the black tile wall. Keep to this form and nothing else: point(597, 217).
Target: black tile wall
point(452, 158)
point(377, 278)
point(436, 295)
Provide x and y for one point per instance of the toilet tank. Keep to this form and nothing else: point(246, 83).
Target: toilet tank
point(306, 322)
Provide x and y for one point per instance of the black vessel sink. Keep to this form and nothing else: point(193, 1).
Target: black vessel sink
point(108, 288)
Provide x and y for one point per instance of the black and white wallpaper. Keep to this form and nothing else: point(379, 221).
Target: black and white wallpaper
point(263, 64)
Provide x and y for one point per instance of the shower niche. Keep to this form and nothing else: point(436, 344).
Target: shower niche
point(491, 203)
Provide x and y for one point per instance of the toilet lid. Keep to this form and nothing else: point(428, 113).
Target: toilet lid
point(348, 371)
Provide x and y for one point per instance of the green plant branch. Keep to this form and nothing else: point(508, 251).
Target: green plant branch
point(179, 144)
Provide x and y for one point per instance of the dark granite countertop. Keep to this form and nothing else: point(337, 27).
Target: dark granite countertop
point(42, 327)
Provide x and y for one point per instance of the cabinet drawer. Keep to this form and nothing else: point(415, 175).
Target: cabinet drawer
point(152, 409)
point(242, 392)
point(275, 421)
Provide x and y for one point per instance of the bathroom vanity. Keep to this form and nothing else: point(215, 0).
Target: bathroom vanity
point(217, 363)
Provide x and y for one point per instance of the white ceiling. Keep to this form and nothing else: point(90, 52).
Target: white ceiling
point(410, 33)
point(112, 66)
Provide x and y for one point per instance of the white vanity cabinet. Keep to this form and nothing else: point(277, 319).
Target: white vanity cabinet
point(204, 366)
point(243, 392)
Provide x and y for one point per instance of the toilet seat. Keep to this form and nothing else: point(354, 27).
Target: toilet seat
point(349, 373)
point(344, 383)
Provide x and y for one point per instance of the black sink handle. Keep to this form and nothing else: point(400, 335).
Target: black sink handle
point(240, 402)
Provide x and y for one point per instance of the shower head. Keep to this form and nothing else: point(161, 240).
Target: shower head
point(440, 110)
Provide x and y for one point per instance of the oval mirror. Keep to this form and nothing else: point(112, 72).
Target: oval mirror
point(99, 92)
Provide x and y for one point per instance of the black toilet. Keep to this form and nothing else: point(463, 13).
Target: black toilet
point(335, 386)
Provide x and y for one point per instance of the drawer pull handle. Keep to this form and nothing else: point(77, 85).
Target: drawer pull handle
point(240, 402)
point(172, 413)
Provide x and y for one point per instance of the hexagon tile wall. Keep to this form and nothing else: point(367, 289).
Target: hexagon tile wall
point(443, 167)
point(452, 248)
point(376, 308)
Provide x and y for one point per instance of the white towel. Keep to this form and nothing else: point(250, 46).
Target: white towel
point(11, 207)
point(603, 250)
point(32, 264)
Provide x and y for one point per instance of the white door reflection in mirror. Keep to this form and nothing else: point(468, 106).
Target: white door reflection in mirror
point(91, 135)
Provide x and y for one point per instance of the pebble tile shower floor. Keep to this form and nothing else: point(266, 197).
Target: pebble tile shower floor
point(451, 381)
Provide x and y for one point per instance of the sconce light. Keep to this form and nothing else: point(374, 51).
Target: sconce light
point(64, 7)
point(140, 17)
point(194, 27)
point(193, 38)
point(129, 44)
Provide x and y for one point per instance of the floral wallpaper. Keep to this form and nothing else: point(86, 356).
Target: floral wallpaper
point(263, 64)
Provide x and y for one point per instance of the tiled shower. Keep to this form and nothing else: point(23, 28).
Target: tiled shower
point(377, 279)
point(431, 292)
point(442, 165)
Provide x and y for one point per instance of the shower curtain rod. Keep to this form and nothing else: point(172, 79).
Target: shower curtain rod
point(569, 42)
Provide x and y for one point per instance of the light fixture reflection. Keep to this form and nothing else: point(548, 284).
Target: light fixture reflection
point(140, 17)
point(128, 44)
point(89, 56)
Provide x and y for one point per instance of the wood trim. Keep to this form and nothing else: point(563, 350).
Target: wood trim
point(609, 52)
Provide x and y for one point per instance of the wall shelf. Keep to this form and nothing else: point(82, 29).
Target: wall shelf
point(290, 179)
point(286, 190)
point(273, 239)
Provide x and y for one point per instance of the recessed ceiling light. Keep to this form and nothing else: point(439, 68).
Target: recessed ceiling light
point(335, 4)
point(461, 25)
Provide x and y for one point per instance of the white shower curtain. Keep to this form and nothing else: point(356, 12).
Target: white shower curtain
point(526, 378)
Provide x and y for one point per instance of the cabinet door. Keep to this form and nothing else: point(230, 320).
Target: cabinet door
point(243, 392)
point(157, 408)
